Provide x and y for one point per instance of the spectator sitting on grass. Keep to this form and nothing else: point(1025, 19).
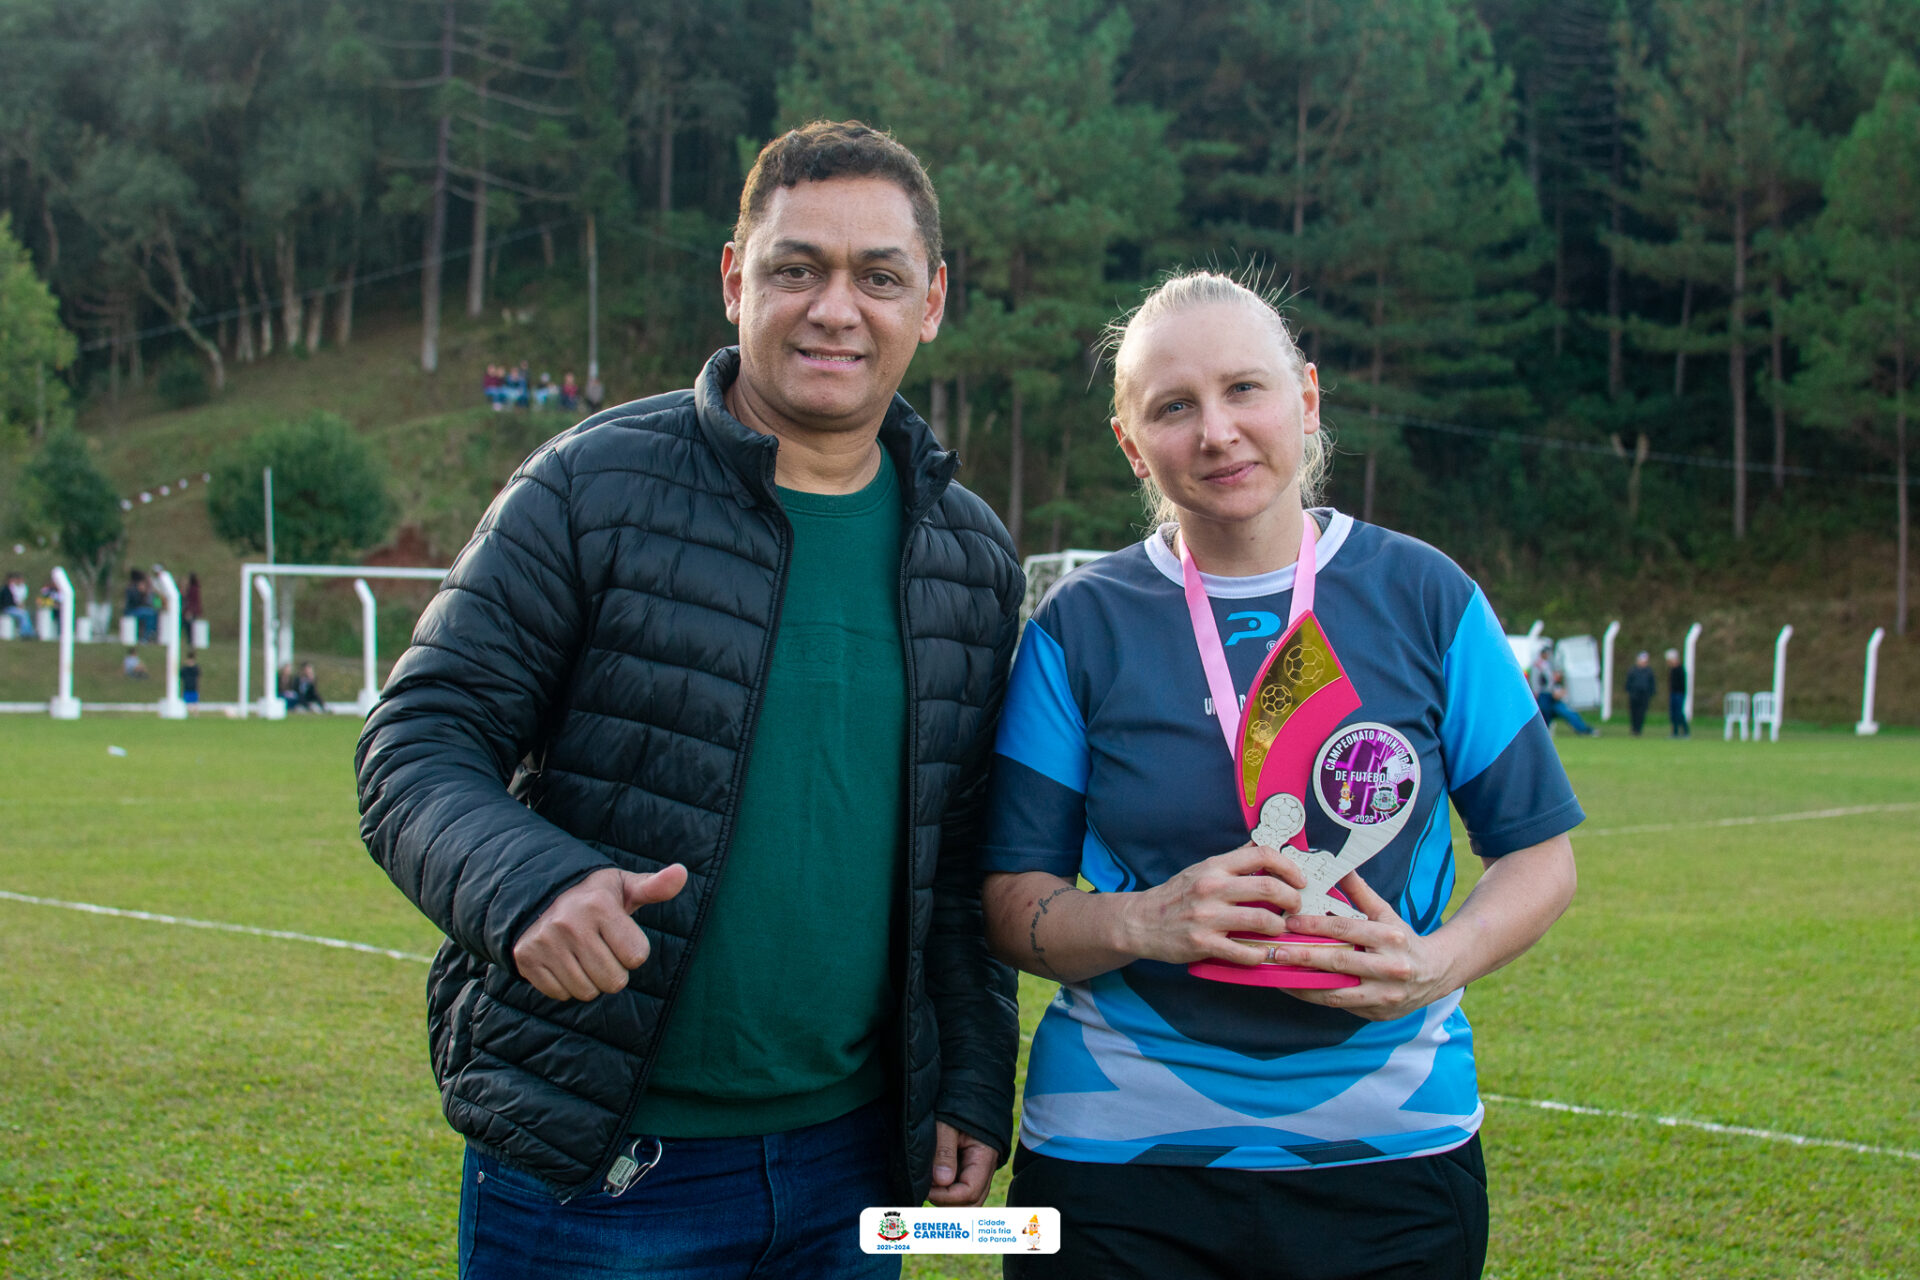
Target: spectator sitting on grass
point(131, 667)
point(306, 692)
point(513, 387)
point(13, 602)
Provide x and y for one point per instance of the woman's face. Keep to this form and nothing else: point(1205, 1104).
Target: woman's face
point(1211, 411)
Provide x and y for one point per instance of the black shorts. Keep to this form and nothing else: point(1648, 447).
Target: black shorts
point(1423, 1218)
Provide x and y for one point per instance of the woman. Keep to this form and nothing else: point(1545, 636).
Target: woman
point(1190, 1126)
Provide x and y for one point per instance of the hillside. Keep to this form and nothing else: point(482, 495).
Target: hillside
point(447, 454)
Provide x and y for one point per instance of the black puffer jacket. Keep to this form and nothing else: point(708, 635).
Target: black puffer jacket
point(602, 643)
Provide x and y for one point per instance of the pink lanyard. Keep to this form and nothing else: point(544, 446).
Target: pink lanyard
point(1206, 633)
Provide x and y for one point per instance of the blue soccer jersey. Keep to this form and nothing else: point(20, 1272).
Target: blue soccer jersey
point(1111, 766)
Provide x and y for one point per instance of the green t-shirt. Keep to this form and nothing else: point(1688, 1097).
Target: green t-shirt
point(789, 991)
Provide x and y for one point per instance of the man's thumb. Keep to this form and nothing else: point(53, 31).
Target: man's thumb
point(638, 890)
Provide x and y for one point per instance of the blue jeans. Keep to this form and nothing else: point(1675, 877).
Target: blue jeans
point(1551, 706)
point(773, 1207)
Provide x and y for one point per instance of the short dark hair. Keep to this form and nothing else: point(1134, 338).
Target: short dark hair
point(840, 149)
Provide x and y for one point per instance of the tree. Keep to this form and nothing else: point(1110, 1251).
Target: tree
point(1371, 165)
point(66, 499)
point(1864, 350)
point(497, 126)
point(330, 497)
point(1041, 172)
point(1719, 145)
point(33, 343)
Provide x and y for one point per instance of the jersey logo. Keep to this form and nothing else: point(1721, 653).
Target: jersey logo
point(1259, 624)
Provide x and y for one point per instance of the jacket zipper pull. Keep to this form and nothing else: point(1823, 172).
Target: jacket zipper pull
point(631, 1166)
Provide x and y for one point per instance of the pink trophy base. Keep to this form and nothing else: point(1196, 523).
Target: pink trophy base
point(1297, 977)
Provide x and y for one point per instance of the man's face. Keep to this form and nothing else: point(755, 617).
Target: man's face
point(832, 296)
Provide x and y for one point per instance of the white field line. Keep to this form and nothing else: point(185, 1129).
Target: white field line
point(1705, 1126)
point(155, 918)
point(1810, 815)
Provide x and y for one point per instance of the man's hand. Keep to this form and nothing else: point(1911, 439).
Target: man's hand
point(585, 943)
point(962, 1168)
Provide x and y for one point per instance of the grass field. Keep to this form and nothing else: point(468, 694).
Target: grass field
point(183, 1102)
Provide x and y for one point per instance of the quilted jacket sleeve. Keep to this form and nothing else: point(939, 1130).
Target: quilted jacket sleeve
point(468, 700)
point(975, 996)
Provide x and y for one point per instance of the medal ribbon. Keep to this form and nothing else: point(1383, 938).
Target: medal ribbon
point(1206, 632)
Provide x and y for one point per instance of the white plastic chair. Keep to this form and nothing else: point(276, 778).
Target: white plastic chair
point(1767, 713)
point(1735, 706)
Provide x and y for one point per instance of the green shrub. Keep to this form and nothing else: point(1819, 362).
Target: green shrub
point(182, 383)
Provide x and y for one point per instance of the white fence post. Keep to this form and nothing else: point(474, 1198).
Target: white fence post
point(1688, 649)
point(271, 705)
point(369, 682)
point(246, 638)
point(1606, 669)
point(1867, 725)
point(171, 708)
point(1780, 680)
point(64, 705)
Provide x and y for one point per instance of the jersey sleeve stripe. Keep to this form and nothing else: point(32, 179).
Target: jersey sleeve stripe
point(1487, 699)
point(1527, 781)
point(1033, 823)
point(1041, 725)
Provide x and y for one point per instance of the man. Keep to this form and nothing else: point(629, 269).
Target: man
point(715, 977)
point(1677, 696)
point(1639, 691)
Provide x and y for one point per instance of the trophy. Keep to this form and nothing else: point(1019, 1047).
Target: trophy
point(1364, 777)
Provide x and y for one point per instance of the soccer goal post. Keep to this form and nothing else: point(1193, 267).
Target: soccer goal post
point(262, 576)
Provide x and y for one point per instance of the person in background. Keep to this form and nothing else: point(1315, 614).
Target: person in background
point(14, 601)
point(1550, 694)
point(140, 605)
point(189, 678)
point(1677, 697)
point(306, 692)
point(596, 393)
point(569, 393)
point(1640, 685)
point(131, 667)
point(284, 682)
point(190, 609)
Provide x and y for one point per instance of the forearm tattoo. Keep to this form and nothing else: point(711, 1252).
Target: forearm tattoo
point(1033, 933)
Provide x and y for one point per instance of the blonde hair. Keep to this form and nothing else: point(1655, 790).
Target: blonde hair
point(1181, 292)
